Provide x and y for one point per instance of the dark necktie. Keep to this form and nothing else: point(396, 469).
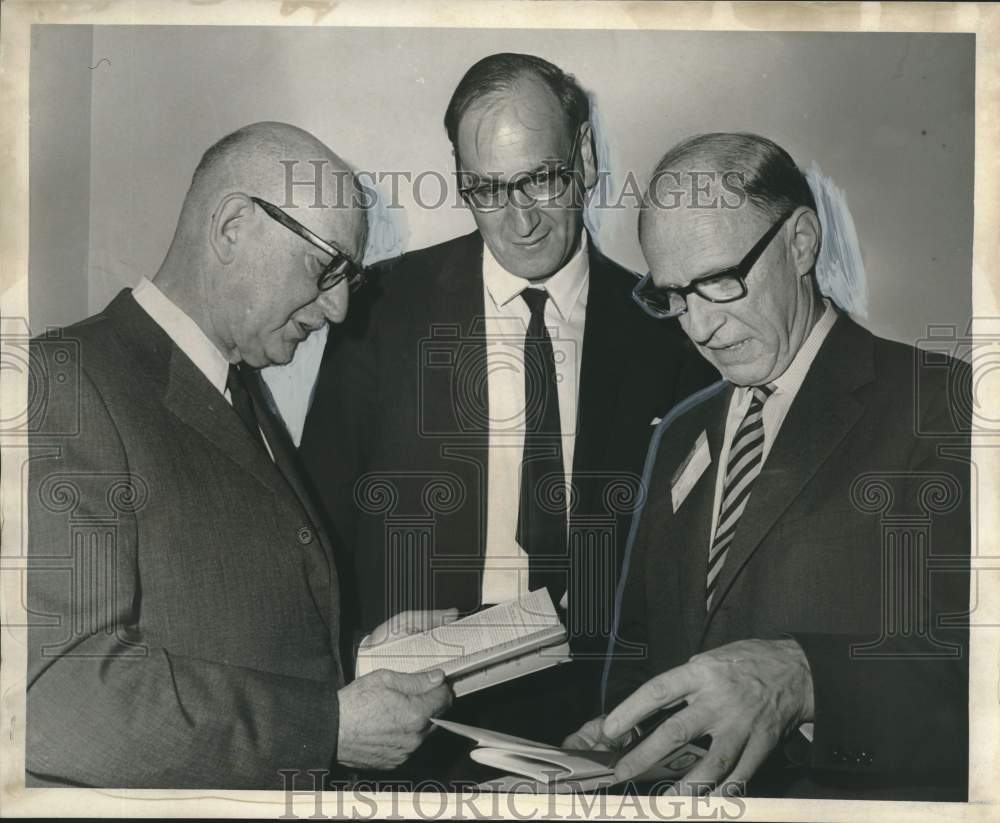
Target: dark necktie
point(541, 517)
point(265, 419)
point(242, 403)
point(746, 455)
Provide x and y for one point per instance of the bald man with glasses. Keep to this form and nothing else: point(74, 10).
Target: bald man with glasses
point(770, 601)
point(182, 583)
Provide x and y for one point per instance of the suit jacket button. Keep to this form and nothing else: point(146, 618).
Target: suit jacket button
point(305, 535)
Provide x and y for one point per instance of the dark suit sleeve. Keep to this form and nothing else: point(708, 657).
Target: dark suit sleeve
point(905, 710)
point(107, 707)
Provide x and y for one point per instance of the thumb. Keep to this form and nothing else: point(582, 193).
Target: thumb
point(440, 617)
point(418, 683)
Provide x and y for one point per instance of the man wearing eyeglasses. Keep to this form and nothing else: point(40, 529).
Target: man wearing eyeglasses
point(184, 596)
point(766, 604)
point(521, 326)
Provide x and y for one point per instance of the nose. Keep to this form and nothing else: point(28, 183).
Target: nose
point(332, 304)
point(522, 214)
point(702, 319)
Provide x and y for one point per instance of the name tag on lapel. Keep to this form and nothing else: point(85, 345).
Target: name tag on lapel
point(689, 471)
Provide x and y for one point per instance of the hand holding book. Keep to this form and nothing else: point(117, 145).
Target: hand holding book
point(488, 647)
point(406, 623)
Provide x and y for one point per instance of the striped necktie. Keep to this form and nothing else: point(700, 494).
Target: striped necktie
point(745, 458)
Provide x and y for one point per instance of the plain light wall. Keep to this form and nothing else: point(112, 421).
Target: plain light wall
point(59, 196)
point(889, 117)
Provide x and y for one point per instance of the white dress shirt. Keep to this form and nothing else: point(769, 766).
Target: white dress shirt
point(505, 574)
point(786, 386)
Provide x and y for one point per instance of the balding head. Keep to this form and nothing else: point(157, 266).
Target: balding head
point(729, 169)
point(261, 159)
point(730, 232)
point(249, 281)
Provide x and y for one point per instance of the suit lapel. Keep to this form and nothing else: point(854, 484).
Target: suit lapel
point(187, 393)
point(465, 400)
point(689, 530)
point(287, 460)
point(459, 295)
point(601, 364)
point(821, 415)
point(196, 403)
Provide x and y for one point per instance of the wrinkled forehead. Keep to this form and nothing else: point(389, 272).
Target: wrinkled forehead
point(513, 131)
point(681, 243)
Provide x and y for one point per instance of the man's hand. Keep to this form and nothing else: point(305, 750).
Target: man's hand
point(590, 737)
point(385, 715)
point(410, 622)
point(746, 694)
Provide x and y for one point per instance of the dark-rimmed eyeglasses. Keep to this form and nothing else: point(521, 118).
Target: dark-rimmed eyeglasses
point(340, 267)
point(542, 186)
point(725, 286)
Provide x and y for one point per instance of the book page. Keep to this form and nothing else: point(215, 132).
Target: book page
point(471, 642)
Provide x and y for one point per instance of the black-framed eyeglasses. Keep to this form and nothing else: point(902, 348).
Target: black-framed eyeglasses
point(725, 286)
point(340, 267)
point(542, 186)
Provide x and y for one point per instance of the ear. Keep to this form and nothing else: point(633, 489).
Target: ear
point(230, 222)
point(806, 237)
point(587, 155)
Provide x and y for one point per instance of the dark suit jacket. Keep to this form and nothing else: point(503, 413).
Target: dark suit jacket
point(396, 439)
point(855, 541)
point(184, 607)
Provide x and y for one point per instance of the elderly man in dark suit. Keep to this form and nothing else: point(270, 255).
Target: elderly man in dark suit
point(481, 431)
point(798, 578)
point(182, 589)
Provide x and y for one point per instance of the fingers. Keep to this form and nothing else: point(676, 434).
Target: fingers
point(588, 736)
point(439, 617)
point(413, 622)
point(670, 735)
point(436, 701)
point(715, 766)
point(662, 690)
point(754, 753)
point(414, 684)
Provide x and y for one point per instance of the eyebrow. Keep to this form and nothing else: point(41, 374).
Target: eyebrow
point(501, 180)
point(705, 276)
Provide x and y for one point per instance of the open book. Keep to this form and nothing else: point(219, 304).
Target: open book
point(489, 647)
point(550, 767)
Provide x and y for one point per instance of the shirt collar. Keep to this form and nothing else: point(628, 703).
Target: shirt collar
point(564, 286)
point(187, 334)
